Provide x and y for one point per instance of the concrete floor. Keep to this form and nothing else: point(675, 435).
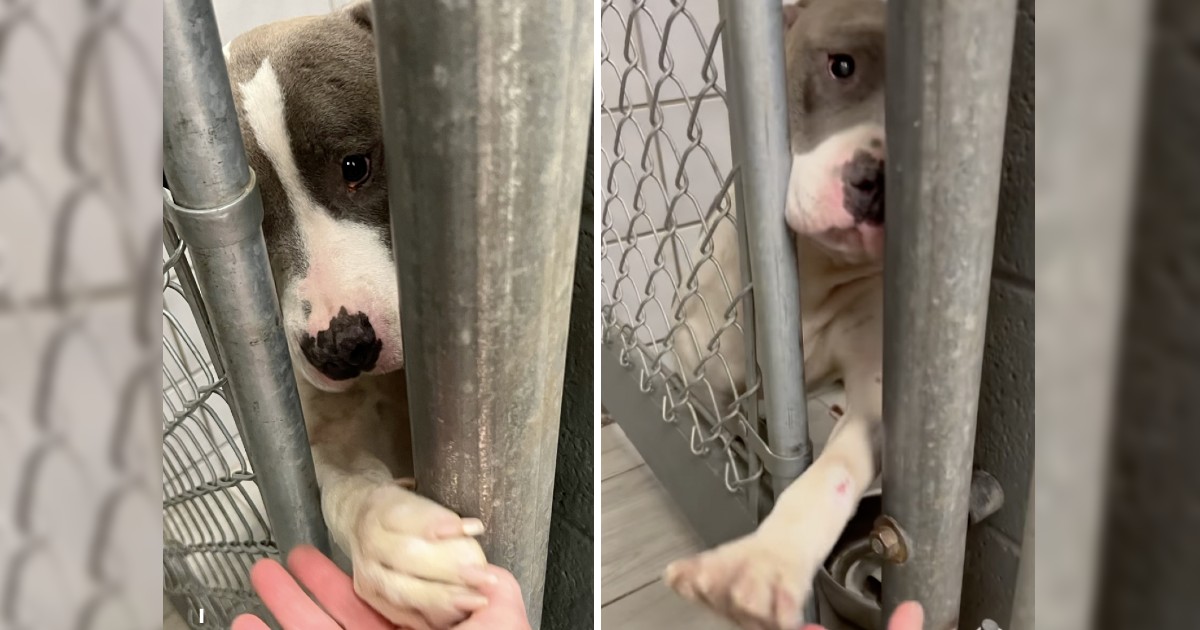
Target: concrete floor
point(642, 531)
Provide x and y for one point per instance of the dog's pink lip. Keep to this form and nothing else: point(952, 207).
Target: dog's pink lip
point(322, 382)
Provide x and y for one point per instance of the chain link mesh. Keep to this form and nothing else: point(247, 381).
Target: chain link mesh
point(214, 525)
point(78, 496)
point(666, 193)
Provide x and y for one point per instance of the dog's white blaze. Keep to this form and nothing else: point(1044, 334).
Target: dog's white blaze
point(814, 197)
point(348, 263)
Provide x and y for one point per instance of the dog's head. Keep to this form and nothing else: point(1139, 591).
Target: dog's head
point(308, 102)
point(835, 81)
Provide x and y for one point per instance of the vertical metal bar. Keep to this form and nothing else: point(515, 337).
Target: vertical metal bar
point(1022, 610)
point(200, 128)
point(485, 109)
point(947, 88)
point(758, 123)
point(216, 208)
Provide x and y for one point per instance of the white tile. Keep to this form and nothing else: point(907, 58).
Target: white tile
point(702, 147)
point(182, 331)
point(235, 17)
point(687, 34)
point(622, 59)
point(641, 286)
point(631, 175)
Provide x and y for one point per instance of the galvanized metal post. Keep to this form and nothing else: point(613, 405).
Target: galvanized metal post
point(486, 108)
point(215, 206)
point(947, 89)
point(758, 123)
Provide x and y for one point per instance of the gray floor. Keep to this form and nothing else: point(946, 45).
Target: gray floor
point(171, 618)
point(641, 532)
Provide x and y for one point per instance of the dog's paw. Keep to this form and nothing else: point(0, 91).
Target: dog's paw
point(416, 562)
point(748, 582)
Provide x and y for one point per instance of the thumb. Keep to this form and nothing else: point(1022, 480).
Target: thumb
point(908, 616)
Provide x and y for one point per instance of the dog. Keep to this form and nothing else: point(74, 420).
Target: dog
point(835, 208)
point(307, 100)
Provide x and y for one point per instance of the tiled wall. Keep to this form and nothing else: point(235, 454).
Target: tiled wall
point(235, 17)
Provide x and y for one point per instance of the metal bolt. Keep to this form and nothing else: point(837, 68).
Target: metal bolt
point(884, 541)
point(887, 541)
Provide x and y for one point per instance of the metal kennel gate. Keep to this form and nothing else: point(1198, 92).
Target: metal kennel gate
point(233, 490)
point(665, 192)
point(487, 280)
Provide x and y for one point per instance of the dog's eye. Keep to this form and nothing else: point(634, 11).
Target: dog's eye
point(841, 66)
point(356, 169)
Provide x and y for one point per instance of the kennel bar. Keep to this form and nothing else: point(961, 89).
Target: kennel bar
point(215, 206)
point(485, 110)
point(947, 97)
point(758, 124)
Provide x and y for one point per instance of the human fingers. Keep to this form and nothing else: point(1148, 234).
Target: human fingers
point(334, 590)
point(505, 609)
point(292, 607)
point(908, 616)
point(248, 622)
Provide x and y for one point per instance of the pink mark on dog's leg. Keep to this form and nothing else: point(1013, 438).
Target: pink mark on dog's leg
point(841, 486)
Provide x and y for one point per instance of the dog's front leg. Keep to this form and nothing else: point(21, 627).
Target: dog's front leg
point(414, 561)
point(762, 580)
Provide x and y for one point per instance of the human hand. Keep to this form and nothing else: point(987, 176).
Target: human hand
point(337, 606)
point(908, 616)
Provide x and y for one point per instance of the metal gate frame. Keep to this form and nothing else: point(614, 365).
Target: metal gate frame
point(212, 231)
point(945, 122)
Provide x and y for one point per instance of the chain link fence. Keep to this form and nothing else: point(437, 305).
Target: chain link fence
point(668, 185)
point(214, 526)
point(79, 501)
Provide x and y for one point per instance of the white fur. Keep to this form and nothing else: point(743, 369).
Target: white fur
point(349, 265)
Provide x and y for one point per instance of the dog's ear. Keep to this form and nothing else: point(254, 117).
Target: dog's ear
point(359, 12)
point(791, 12)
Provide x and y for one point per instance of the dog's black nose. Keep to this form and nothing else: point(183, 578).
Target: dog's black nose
point(863, 188)
point(344, 350)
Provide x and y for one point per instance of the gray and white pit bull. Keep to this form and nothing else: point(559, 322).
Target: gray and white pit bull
point(308, 102)
point(835, 78)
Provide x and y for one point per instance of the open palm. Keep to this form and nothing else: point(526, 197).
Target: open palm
point(338, 607)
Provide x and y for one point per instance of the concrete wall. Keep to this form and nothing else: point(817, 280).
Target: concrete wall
point(1005, 438)
point(1150, 555)
point(568, 601)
